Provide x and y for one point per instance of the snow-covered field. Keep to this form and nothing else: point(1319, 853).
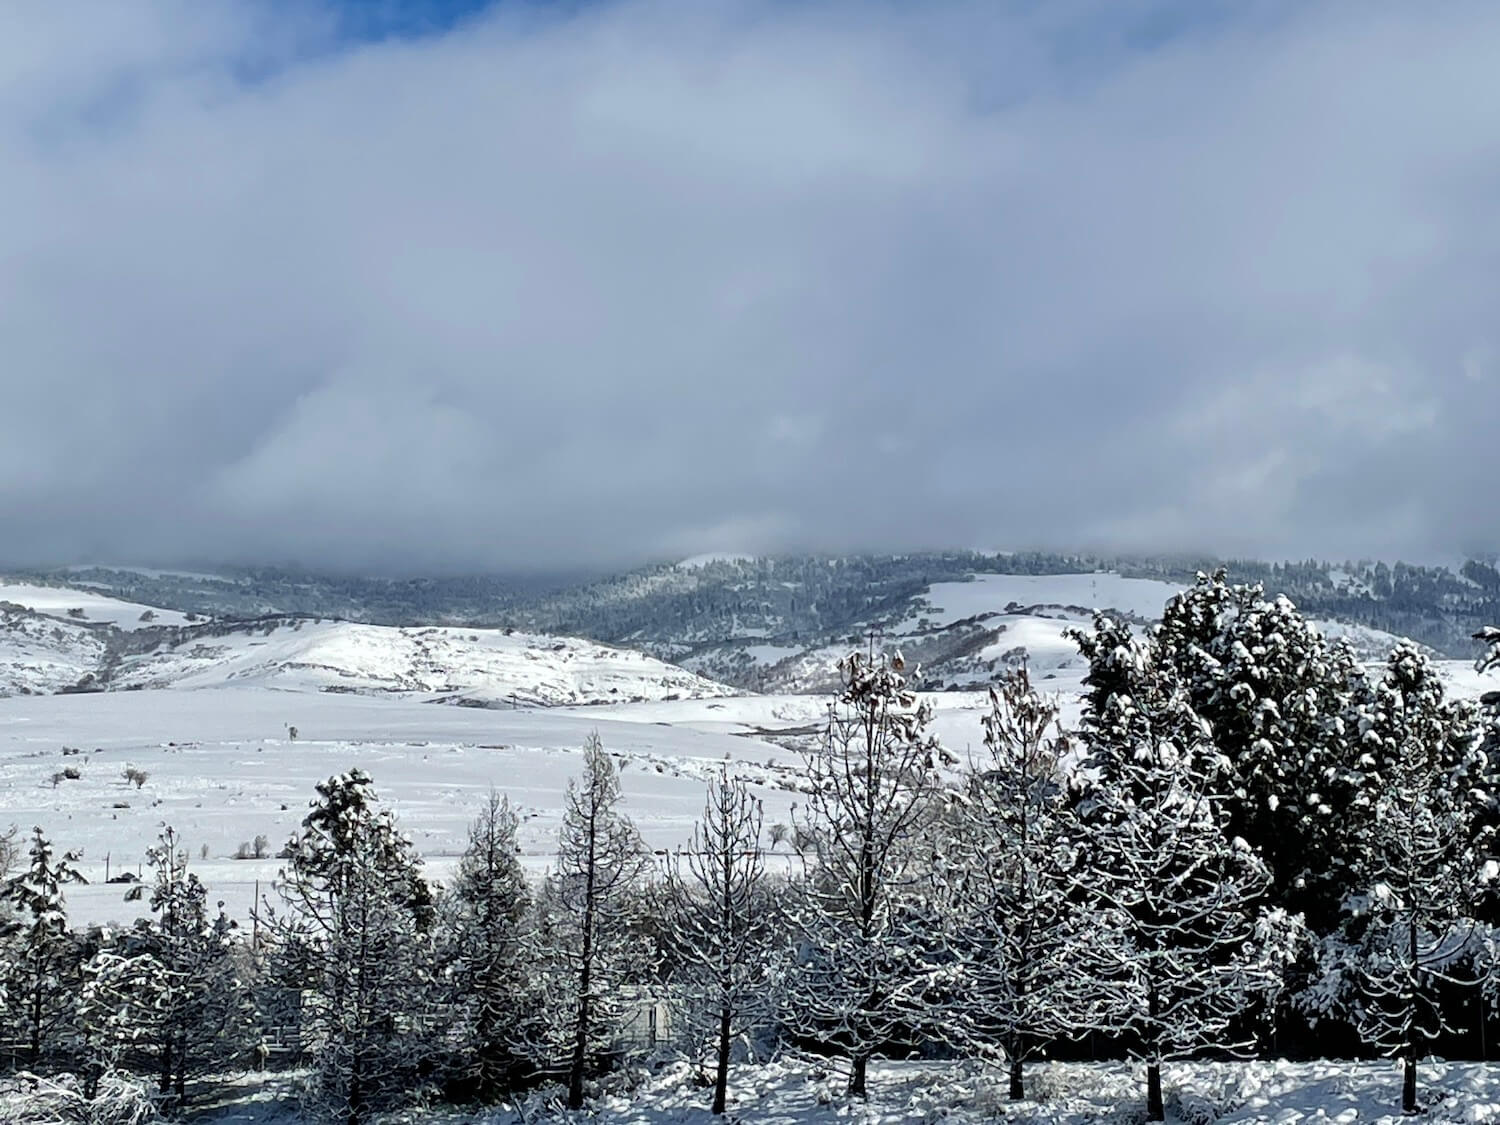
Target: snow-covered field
point(801, 1091)
point(1073, 1093)
point(222, 769)
point(214, 722)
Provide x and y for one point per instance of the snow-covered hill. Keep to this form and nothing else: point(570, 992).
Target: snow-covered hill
point(55, 639)
point(86, 606)
point(41, 655)
point(473, 666)
point(964, 634)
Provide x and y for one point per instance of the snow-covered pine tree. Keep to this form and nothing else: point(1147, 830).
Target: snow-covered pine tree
point(484, 918)
point(115, 1009)
point(719, 917)
point(1410, 914)
point(583, 946)
point(1180, 941)
point(1489, 702)
point(356, 925)
point(1489, 636)
point(872, 794)
point(200, 1015)
point(45, 959)
point(1284, 706)
point(1006, 873)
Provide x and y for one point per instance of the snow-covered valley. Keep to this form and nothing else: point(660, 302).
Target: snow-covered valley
point(115, 726)
point(233, 723)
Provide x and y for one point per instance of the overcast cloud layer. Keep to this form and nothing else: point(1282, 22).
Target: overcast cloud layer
point(655, 278)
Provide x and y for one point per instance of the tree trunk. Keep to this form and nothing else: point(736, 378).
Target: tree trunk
point(585, 975)
point(164, 1084)
point(1413, 1042)
point(859, 1064)
point(721, 1076)
point(36, 1025)
point(1017, 1090)
point(356, 1096)
point(1155, 1110)
point(580, 1049)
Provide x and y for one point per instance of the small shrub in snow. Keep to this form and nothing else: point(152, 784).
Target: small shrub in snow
point(119, 1099)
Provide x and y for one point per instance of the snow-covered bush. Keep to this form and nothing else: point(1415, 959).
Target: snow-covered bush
point(120, 1099)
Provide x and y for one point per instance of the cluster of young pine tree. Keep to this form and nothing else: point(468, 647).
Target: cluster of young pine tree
point(1247, 842)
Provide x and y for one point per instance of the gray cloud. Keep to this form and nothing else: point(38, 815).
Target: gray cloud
point(654, 278)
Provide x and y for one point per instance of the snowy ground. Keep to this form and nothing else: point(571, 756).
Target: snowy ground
point(213, 724)
point(222, 769)
point(810, 1092)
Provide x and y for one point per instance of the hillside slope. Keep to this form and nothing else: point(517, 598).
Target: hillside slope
point(55, 639)
point(478, 667)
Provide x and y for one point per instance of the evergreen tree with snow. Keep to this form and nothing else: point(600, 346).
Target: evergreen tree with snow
point(719, 912)
point(1007, 870)
point(199, 1013)
point(1284, 707)
point(116, 1009)
point(356, 928)
point(1410, 914)
point(873, 790)
point(583, 945)
point(1181, 942)
point(42, 970)
point(485, 915)
point(1489, 636)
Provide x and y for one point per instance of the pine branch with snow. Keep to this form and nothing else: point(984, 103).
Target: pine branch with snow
point(42, 969)
point(1284, 707)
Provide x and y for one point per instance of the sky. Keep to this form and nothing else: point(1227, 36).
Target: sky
point(523, 285)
